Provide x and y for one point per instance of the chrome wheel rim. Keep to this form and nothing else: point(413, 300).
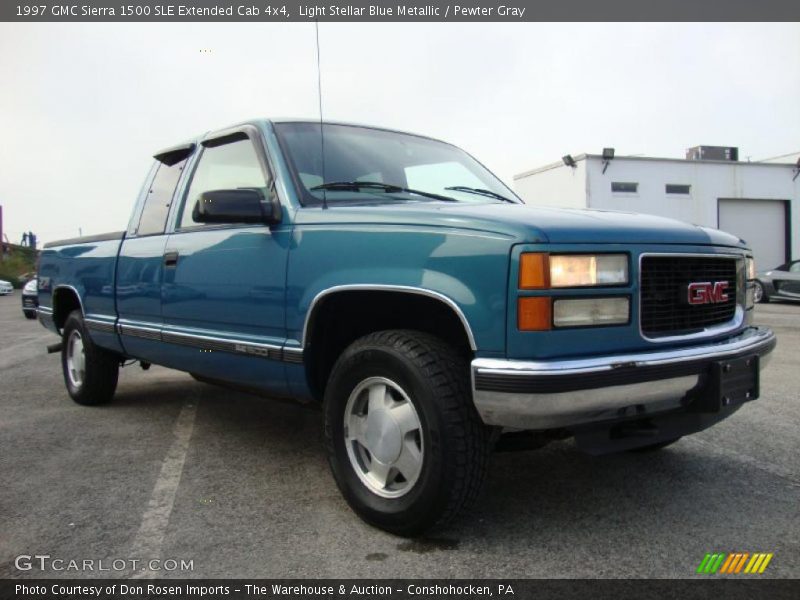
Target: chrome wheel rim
point(76, 359)
point(383, 437)
point(758, 292)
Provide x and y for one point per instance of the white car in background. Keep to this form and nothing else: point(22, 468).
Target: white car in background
point(6, 288)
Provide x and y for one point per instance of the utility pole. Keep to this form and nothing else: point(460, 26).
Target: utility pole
point(2, 242)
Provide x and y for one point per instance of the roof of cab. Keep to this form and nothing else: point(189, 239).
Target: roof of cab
point(351, 124)
point(179, 150)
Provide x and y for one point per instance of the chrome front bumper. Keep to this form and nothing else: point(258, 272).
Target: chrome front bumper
point(562, 393)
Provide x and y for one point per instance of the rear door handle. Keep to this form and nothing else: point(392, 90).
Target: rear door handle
point(170, 259)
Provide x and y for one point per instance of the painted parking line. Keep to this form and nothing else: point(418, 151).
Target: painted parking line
point(150, 537)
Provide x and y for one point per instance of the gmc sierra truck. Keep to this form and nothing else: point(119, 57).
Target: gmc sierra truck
point(395, 281)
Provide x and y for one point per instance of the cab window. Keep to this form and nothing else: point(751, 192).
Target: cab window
point(159, 198)
point(224, 167)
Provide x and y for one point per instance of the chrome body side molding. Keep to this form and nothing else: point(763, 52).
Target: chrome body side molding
point(221, 342)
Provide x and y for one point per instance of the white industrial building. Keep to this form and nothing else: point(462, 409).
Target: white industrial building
point(758, 201)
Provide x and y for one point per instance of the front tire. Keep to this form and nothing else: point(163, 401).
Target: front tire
point(90, 372)
point(405, 443)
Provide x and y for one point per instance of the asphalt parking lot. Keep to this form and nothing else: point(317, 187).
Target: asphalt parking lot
point(175, 469)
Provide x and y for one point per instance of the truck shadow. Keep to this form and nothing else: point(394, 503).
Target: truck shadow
point(248, 451)
point(559, 496)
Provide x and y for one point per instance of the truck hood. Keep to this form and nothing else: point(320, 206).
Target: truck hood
point(533, 224)
point(570, 226)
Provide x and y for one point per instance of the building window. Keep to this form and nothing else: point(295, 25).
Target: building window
point(624, 187)
point(679, 188)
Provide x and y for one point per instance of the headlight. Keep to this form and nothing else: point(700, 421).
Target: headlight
point(541, 271)
point(30, 287)
point(751, 268)
point(583, 312)
point(582, 270)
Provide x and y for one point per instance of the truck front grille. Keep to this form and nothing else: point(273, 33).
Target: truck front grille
point(665, 309)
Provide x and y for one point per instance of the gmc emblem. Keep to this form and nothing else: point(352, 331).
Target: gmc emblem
point(706, 292)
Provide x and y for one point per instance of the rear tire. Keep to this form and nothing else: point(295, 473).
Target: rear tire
point(90, 372)
point(29, 314)
point(405, 443)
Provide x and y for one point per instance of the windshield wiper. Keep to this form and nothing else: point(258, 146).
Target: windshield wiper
point(480, 192)
point(357, 186)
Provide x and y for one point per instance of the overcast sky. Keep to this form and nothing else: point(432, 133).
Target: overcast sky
point(83, 107)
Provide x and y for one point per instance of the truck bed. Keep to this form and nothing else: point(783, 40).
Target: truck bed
point(84, 265)
point(86, 239)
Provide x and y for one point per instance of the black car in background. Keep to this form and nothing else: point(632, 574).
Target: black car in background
point(30, 299)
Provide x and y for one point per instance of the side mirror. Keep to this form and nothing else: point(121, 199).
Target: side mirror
point(242, 205)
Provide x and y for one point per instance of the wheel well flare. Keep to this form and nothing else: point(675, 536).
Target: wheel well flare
point(338, 319)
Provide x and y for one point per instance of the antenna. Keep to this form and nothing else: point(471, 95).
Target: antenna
point(321, 129)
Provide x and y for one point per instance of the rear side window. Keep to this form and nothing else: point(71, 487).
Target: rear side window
point(225, 167)
point(159, 199)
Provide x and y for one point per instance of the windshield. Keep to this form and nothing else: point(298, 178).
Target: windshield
point(411, 168)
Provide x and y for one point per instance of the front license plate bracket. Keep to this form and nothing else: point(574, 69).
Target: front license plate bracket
point(730, 382)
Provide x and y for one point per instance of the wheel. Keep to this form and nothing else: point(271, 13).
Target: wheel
point(758, 293)
point(29, 314)
point(405, 443)
point(90, 373)
point(654, 447)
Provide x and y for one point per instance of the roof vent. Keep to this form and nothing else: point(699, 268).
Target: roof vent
point(713, 153)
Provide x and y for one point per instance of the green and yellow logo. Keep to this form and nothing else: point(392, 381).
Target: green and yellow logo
point(734, 563)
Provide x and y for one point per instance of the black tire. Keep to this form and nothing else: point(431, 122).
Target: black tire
point(97, 383)
point(456, 443)
point(764, 299)
point(29, 314)
point(654, 447)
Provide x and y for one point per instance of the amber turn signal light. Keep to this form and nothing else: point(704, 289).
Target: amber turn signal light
point(534, 314)
point(534, 271)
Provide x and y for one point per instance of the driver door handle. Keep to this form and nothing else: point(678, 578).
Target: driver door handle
point(170, 260)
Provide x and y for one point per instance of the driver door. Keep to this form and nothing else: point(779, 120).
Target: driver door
point(223, 292)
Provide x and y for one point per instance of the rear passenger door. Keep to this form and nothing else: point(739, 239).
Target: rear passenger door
point(224, 284)
point(140, 263)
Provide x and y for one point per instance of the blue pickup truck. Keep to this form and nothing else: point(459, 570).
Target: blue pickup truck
point(394, 281)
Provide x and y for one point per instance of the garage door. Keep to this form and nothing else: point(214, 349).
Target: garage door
point(761, 223)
